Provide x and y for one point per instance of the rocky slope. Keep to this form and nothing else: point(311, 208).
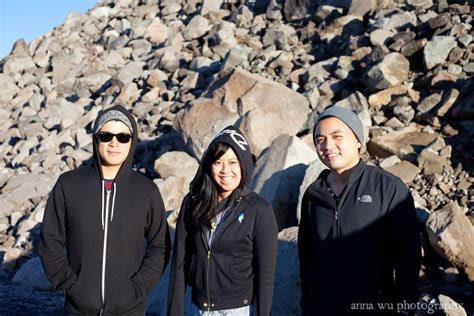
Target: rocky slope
point(188, 68)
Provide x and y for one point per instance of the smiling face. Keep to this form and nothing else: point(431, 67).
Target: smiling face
point(227, 173)
point(336, 145)
point(113, 153)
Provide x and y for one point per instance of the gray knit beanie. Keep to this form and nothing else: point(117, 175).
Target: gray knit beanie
point(347, 116)
point(113, 115)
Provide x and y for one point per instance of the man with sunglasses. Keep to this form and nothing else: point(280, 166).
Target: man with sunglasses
point(111, 221)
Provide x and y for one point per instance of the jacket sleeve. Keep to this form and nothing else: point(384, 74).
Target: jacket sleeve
point(157, 248)
point(177, 284)
point(53, 239)
point(406, 243)
point(266, 244)
point(304, 250)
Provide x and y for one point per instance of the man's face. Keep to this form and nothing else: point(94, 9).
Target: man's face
point(113, 153)
point(336, 144)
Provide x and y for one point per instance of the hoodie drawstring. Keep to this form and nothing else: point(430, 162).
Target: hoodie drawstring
point(102, 202)
point(113, 202)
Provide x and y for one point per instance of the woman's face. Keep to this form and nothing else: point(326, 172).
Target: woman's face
point(227, 173)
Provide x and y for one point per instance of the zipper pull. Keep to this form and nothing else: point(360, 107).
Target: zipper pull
point(208, 254)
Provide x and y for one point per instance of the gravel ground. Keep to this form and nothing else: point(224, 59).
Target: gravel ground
point(18, 300)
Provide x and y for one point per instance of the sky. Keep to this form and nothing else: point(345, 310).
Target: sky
point(29, 19)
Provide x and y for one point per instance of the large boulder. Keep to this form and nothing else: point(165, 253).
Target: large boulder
point(452, 235)
point(390, 72)
point(260, 107)
point(287, 290)
point(278, 176)
point(311, 174)
point(31, 275)
point(406, 143)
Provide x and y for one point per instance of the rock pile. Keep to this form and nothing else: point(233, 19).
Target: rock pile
point(188, 68)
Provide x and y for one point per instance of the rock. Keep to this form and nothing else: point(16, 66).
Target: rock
point(176, 163)
point(405, 170)
point(311, 174)
point(420, 5)
point(361, 7)
point(31, 275)
point(451, 307)
point(9, 88)
point(196, 28)
point(389, 162)
point(95, 83)
point(447, 101)
point(20, 49)
point(437, 50)
point(156, 32)
point(431, 163)
point(452, 236)
point(19, 65)
point(287, 276)
point(283, 36)
point(406, 143)
point(211, 6)
point(379, 37)
point(429, 102)
point(464, 109)
point(279, 173)
point(381, 98)
point(10, 257)
point(395, 21)
point(130, 72)
point(390, 72)
point(258, 106)
point(173, 189)
point(298, 9)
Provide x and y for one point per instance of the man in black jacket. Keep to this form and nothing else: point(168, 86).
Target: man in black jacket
point(358, 240)
point(104, 214)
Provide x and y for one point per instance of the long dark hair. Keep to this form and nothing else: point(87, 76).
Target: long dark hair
point(205, 190)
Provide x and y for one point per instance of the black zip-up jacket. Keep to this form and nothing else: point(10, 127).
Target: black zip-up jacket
point(238, 269)
point(350, 250)
point(105, 268)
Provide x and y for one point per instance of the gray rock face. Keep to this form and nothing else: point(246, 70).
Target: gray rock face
point(405, 143)
point(452, 236)
point(391, 71)
point(311, 174)
point(32, 275)
point(279, 174)
point(9, 88)
point(197, 27)
point(437, 50)
point(176, 163)
point(287, 290)
point(262, 105)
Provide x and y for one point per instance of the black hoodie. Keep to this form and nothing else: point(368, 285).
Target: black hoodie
point(106, 268)
point(238, 269)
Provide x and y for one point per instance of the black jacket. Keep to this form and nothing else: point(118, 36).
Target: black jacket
point(238, 269)
point(105, 267)
point(348, 251)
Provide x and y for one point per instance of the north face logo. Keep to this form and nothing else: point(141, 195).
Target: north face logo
point(365, 198)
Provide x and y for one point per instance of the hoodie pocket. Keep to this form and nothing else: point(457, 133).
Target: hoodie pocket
point(85, 295)
point(120, 294)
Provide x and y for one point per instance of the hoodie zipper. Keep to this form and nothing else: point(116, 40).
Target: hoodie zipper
point(209, 252)
point(104, 251)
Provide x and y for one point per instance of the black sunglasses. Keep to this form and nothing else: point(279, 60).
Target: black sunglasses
point(106, 137)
